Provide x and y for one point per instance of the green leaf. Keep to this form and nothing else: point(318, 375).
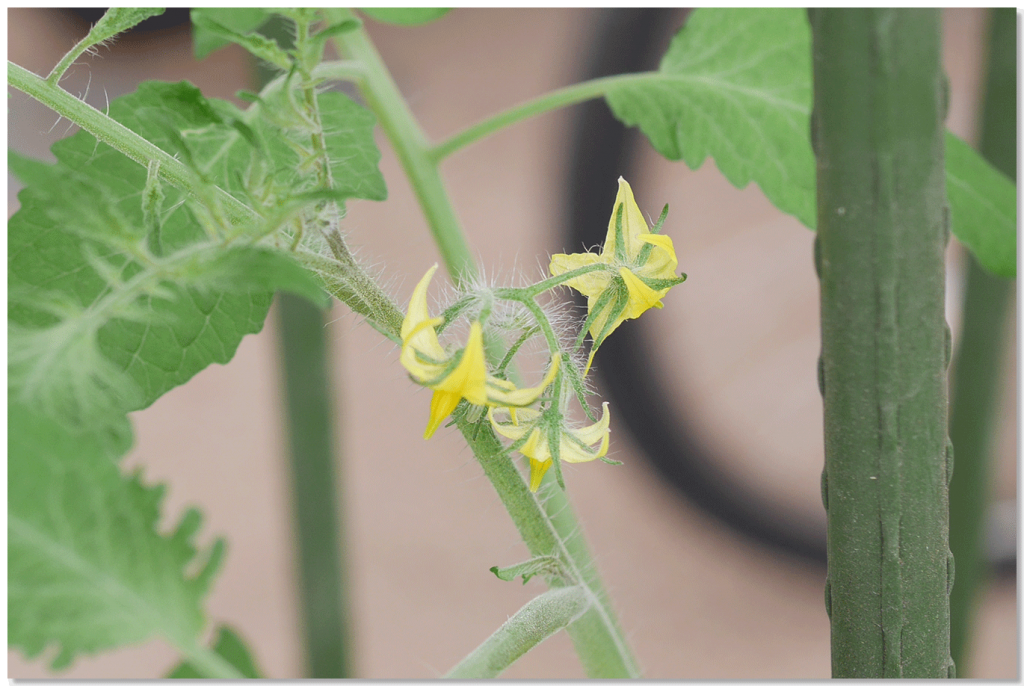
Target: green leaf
point(243, 21)
point(88, 569)
point(97, 328)
point(262, 47)
point(405, 16)
point(983, 207)
point(544, 564)
point(229, 646)
point(735, 85)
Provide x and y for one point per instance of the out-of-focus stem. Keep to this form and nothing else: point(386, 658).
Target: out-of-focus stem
point(976, 378)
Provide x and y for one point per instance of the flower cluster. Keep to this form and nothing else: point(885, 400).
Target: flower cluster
point(632, 273)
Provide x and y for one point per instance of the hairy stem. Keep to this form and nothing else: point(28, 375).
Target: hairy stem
point(536, 621)
point(121, 139)
point(410, 144)
point(882, 233)
point(552, 529)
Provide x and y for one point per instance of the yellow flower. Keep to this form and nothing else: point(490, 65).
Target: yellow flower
point(641, 268)
point(574, 445)
point(462, 374)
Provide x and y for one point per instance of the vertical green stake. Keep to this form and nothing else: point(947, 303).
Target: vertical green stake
point(310, 439)
point(877, 129)
point(976, 370)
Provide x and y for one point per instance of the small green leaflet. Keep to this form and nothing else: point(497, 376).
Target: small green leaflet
point(88, 569)
point(405, 16)
point(544, 564)
point(736, 85)
point(232, 648)
point(241, 20)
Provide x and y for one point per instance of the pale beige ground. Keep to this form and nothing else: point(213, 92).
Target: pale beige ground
point(423, 525)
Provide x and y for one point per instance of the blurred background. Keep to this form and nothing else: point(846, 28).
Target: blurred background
point(735, 350)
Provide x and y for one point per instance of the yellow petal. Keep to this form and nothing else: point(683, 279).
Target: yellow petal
point(536, 446)
point(662, 262)
point(418, 334)
point(424, 372)
point(515, 430)
point(469, 378)
point(588, 284)
point(641, 296)
point(571, 451)
point(537, 470)
point(441, 405)
point(521, 397)
point(633, 223)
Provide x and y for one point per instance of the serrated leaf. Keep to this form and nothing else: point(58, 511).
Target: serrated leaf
point(74, 252)
point(88, 569)
point(735, 85)
point(405, 16)
point(983, 207)
point(229, 646)
point(242, 20)
point(262, 47)
point(543, 564)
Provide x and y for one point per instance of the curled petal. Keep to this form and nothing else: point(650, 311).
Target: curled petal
point(571, 450)
point(510, 396)
point(662, 262)
point(518, 427)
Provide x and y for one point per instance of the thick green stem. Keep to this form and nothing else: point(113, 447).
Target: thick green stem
point(877, 128)
point(563, 97)
point(410, 144)
point(976, 366)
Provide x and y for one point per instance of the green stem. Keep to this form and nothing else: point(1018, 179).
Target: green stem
point(599, 640)
point(552, 529)
point(878, 136)
point(563, 97)
point(312, 451)
point(410, 144)
point(536, 621)
point(976, 366)
point(121, 139)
